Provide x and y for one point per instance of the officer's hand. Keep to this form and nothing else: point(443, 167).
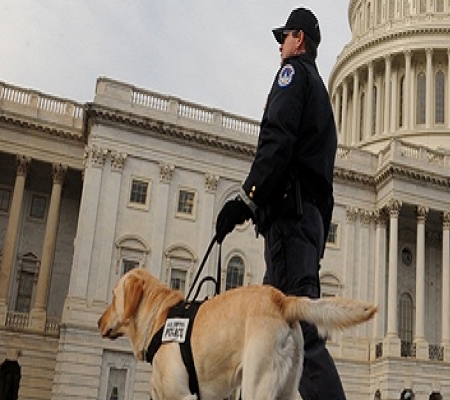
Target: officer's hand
point(234, 212)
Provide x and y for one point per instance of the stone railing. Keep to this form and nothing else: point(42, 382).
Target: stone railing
point(174, 110)
point(41, 106)
point(19, 321)
point(398, 150)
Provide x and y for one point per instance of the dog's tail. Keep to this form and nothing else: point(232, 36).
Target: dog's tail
point(333, 313)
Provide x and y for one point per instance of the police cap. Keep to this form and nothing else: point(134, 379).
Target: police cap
point(301, 19)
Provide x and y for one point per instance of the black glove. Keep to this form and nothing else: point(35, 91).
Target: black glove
point(234, 212)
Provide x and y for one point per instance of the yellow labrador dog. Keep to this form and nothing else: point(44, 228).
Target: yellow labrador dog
point(248, 336)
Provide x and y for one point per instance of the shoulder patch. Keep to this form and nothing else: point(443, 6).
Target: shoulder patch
point(286, 75)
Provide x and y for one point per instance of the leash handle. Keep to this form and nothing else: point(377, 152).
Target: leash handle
point(200, 268)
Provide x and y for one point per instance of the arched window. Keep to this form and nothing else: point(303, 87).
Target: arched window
point(379, 8)
point(10, 375)
point(391, 9)
point(179, 263)
point(406, 8)
point(374, 109)
point(440, 98)
point(131, 252)
point(401, 106)
point(405, 321)
point(368, 16)
point(235, 273)
point(423, 6)
point(329, 285)
point(362, 117)
point(421, 99)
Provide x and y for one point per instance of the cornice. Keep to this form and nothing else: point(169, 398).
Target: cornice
point(19, 122)
point(349, 176)
point(151, 126)
point(355, 47)
point(392, 171)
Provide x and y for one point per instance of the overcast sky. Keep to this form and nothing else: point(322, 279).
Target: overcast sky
point(218, 53)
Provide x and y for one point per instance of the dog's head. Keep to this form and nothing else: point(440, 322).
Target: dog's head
point(127, 295)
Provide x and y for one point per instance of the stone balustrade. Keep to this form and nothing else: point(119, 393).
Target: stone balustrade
point(173, 110)
point(43, 107)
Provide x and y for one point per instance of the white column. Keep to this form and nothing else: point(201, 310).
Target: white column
point(159, 235)
point(12, 229)
point(394, 101)
point(363, 267)
point(446, 284)
point(337, 112)
point(38, 313)
point(369, 101)
point(352, 213)
point(421, 346)
point(391, 343)
point(380, 274)
point(87, 221)
point(344, 132)
point(429, 88)
point(355, 102)
point(394, 211)
point(387, 93)
point(208, 229)
point(407, 94)
point(105, 270)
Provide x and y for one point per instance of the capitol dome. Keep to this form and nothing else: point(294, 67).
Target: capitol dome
point(392, 81)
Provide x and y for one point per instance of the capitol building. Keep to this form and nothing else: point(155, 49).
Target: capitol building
point(135, 179)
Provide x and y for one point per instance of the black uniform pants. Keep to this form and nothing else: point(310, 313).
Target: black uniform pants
point(292, 252)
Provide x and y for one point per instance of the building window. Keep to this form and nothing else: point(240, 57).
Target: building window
point(421, 99)
point(128, 265)
point(402, 104)
point(116, 384)
point(131, 252)
point(374, 110)
point(27, 273)
point(391, 9)
point(440, 98)
point(139, 193)
point(38, 206)
point(405, 319)
point(379, 8)
point(178, 280)
point(235, 273)
point(332, 237)
point(439, 5)
point(361, 117)
point(186, 202)
point(406, 8)
point(329, 285)
point(423, 6)
point(24, 291)
point(10, 375)
point(5, 198)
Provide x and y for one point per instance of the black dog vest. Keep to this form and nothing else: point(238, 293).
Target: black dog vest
point(184, 310)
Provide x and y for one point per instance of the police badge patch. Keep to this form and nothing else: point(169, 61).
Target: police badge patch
point(286, 75)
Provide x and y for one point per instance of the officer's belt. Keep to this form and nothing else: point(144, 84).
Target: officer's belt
point(181, 310)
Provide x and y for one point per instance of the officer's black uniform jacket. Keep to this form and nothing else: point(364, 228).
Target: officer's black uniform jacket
point(297, 138)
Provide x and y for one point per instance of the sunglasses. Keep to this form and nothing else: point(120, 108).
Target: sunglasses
point(286, 33)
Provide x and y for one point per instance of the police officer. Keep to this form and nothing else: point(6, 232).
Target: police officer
point(288, 192)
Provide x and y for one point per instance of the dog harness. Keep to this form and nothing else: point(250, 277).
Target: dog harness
point(182, 310)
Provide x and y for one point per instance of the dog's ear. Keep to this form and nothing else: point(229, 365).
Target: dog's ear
point(133, 293)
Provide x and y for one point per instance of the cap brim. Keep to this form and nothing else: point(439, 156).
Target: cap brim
point(278, 34)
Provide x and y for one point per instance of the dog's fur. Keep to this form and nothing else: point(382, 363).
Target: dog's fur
point(248, 336)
